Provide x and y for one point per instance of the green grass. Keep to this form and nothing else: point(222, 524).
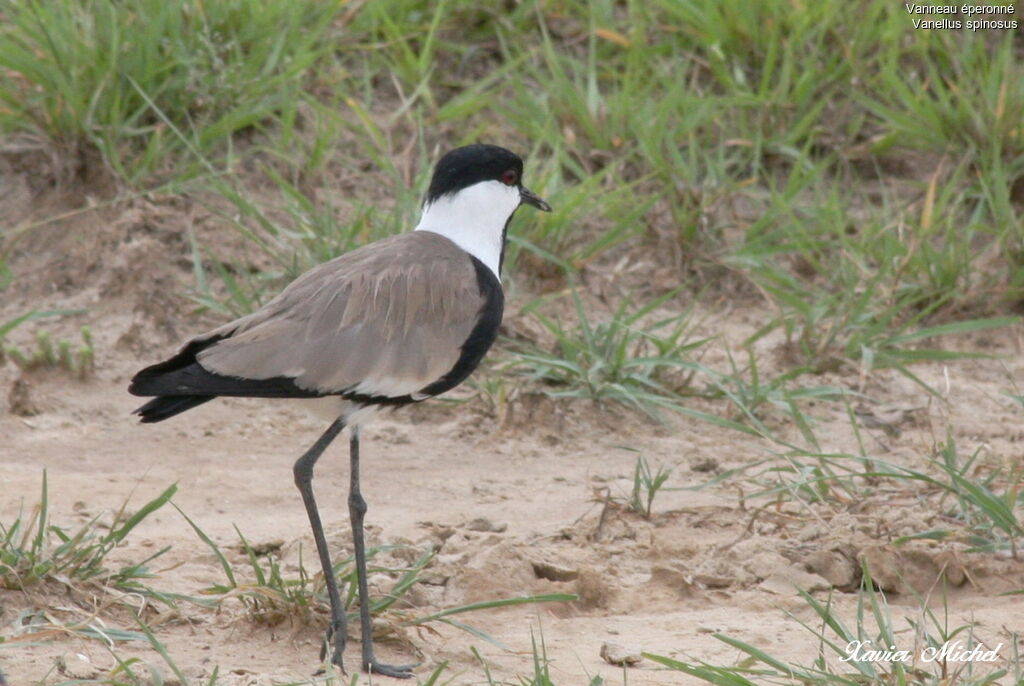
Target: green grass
point(980, 496)
point(629, 358)
point(875, 628)
point(137, 671)
point(646, 485)
point(50, 355)
point(79, 363)
point(643, 119)
point(856, 184)
point(271, 598)
point(312, 233)
point(650, 123)
point(983, 500)
point(33, 550)
point(74, 74)
point(860, 292)
point(541, 672)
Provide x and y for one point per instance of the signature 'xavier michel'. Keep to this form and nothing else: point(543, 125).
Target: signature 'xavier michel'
point(394, 322)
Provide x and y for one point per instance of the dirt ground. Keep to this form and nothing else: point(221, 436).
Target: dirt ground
point(513, 499)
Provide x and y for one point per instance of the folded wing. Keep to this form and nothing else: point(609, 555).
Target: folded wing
point(381, 323)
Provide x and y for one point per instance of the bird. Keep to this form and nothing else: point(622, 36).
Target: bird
point(394, 322)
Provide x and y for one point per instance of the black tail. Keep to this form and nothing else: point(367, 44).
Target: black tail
point(181, 383)
point(159, 409)
point(158, 380)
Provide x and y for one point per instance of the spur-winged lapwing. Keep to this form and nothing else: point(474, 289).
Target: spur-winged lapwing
point(392, 323)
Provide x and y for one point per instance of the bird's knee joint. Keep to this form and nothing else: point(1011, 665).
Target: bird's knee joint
point(357, 504)
point(303, 475)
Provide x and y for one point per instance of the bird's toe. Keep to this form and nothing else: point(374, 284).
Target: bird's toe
point(396, 671)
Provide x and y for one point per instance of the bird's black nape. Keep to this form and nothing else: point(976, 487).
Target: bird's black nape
point(463, 167)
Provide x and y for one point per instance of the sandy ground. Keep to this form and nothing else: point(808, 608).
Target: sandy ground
point(509, 500)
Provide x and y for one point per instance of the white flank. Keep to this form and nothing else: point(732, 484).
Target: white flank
point(389, 386)
point(474, 219)
point(331, 407)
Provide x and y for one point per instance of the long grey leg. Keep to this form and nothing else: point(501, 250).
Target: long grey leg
point(356, 512)
point(303, 471)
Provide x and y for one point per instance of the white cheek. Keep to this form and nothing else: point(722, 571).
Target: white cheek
point(474, 219)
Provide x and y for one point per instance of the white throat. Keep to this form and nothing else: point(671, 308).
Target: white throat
point(474, 219)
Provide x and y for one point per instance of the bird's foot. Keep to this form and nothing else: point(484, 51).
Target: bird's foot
point(336, 631)
point(396, 671)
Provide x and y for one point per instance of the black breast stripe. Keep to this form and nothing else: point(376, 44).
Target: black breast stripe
point(476, 346)
point(481, 337)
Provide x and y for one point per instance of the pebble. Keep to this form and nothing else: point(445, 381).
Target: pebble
point(77, 666)
point(712, 581)
point(833, 566)
point(553, 572)
point(787, 582)
point(20, 401)
point(485, 524)
point(615, 654)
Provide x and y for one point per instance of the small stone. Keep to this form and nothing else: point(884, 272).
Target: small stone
point(77, 666)
point(379, 580)
point(592, 588)
point(704, 464)
point(615, 654)
point(439, 532)
point(811, 532)
point(883, 565)
point(19, 399)
point(712, 581)
point(405, 550)
point(952, 568)
point(888, 417)
point(833, 566)
point(486, 525)
point(672, 579)
point(264, 548)
point(789, 581)
point(553, 572)
point(431, 578)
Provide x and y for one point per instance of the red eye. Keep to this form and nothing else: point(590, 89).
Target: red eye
point(510, 177)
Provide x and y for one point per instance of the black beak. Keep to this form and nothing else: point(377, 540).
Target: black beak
point(531, 198)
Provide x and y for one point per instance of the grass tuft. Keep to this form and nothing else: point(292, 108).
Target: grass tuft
point(33, 550)
point(625, 359)
point(842, 650)
point(79, 363)
point(216, 69)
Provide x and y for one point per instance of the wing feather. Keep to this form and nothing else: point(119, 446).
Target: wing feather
point(387, 319)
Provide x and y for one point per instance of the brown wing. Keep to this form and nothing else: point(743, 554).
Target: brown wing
point(387, 319)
